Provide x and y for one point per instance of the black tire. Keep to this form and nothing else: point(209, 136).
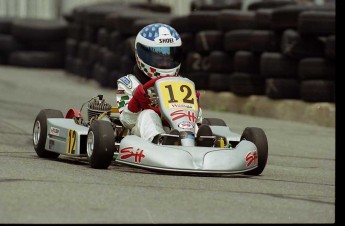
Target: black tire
point(195, 61)
point(232, 19)
point(115, 37)
point(39, 132)
point(239, 39)
point(286, 17)
point(201, 5)
point(316, 23)
point(71, 47)
point(138, 24)
point(95, 14)
point(221, 62)
point(269, 4)
point(258, 137)
point(207, 41)
point(100, 74)
point(281, 88)
point(180, 23)
point(5, 25)
point(202, 20)
point(213, 122)
point(318, 91)
point(188, 40)
point(295, 46)
point(316, 68)
point(219, 82)
point(74, 31)
point(200, 79)
point(103, 37)
point(263, 19)
point(246, 84)
point(39, 29)
point(264, 41)
point(247, 62)
point(330, 47)
point(110, 60)
point(8, 44)
point(277, 65)
point(36, 59)
point(100, 144)
point(83, 50)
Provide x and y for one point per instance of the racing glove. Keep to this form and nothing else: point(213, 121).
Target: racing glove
point(140, 100)
point(197, 96)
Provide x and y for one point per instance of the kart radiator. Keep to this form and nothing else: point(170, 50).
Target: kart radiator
point(97, 107)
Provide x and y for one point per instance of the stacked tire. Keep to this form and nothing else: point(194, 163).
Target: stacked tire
point(100, 40)
point(293, 72)
point(35, 43)
point(276, 48)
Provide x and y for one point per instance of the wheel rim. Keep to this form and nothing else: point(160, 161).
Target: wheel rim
point(90, 143)
point(37, 132)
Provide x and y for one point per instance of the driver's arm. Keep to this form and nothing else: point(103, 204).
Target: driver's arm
point(125, 87)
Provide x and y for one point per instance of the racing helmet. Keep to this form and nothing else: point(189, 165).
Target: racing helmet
point(158, 50)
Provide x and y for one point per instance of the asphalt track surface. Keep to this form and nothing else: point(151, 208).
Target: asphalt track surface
point(297, 185)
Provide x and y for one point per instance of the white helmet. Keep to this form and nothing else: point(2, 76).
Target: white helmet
point(158, 50)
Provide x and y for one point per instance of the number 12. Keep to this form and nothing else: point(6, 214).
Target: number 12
point(183, 88)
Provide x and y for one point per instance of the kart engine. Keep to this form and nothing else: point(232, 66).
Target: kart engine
point(96, 107)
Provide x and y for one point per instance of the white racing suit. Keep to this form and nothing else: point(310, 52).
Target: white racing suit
point(146, 123)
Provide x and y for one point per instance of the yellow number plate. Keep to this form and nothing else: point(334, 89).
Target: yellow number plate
point(178, 94)
point(71, 142)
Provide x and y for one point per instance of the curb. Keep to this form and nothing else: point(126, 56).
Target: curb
point(321, 114)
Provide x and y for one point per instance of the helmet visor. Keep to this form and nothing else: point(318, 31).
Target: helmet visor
point(160, 57)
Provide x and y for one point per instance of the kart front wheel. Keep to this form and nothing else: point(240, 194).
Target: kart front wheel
point(100, 144)
point(258, 137)
point(39, 132)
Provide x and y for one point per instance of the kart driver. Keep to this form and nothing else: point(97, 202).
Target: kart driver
point(158, 52)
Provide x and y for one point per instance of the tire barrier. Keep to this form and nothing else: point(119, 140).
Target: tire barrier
point(297, 46)
point(277, 48)
point(34, 42)
point(5, 25)
point(215, 5)
point(269, 4)
point(36, 59)
point(247, 62)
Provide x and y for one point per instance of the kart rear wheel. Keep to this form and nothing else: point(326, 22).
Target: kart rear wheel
point(213, 122)
point(100, 144)
point(258, 137)
point(39, 132)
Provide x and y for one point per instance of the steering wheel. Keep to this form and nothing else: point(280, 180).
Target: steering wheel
point(148, 85)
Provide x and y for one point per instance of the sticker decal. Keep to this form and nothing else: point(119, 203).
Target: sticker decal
point(252, 158)
point(126, 81)
point(120, 91)
point(188, 106)
point(181, 113)
point(71, 144)
point(54, 131)
point(51, 144)
point(128, 152)
point(186, 125)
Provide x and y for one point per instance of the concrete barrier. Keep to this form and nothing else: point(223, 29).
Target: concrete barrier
point(321, 114)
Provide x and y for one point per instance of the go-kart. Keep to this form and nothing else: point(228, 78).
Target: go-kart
point(102, 138)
